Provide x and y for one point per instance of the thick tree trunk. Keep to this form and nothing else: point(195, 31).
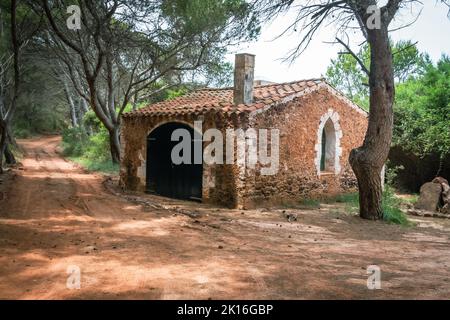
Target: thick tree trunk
point(5, 151)
point(368, 161)
point(114, 142)
point(9, 156)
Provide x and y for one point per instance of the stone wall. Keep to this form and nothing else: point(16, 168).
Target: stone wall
point(300, 122)
point(219, 181)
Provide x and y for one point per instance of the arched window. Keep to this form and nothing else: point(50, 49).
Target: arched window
point(327, 159)
point(328, 147)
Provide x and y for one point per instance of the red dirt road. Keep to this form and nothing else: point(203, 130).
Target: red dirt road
point(54, 215)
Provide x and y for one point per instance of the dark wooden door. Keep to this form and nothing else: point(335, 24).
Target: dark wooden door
point(183, 181)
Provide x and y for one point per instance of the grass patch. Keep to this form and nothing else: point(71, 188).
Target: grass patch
point(105, 166)
point(305, 204)
point(391, 208)
point(409, 199)
point(351, 201)
point(309, 204)
point(349, 198)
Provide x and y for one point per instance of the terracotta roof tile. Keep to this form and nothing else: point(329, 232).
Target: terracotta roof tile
point(221, 100)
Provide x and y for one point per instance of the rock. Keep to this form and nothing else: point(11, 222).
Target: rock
point(291, 216)
point(430, 194)
point(440, 180)
point(446, 209)
point(89, 249)
point(445, 194)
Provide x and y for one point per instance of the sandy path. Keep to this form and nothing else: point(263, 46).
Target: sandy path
point(54, 216)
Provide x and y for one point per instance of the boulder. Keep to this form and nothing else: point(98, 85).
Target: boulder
point(430, 196)
point(445, 193)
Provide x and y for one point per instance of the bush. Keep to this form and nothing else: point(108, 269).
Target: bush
point(22, 133)
point(74, 141)
point(91, 152)
point(97, 148)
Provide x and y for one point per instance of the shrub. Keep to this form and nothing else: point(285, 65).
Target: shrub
point(91, 152)
point(97, 148)
point(22, 133)
point(74, 141)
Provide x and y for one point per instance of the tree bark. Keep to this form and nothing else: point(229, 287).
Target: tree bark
point(9, 156)
point(7, 116)
point(73, 111)
point(114, 142)
point(5, 151)
point(2, 146)
point(368, 161)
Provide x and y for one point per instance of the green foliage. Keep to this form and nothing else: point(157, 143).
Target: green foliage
point(40, 108)
point(74, 141)
point(422, 111)
point(90, 120)
point(346, 74)
point(391, 208)
point(209, 16)
point(350, 200)
point(172, 94)
point(309, 203)
point(391, 205)
point(97, 148)
point(22, 133)
point(347, 198)
point(92, 152)
point(98, 166)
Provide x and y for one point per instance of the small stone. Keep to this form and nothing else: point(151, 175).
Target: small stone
point(90, 249)
point(220, 247)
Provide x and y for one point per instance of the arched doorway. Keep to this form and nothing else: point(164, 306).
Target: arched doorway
point(164, 177)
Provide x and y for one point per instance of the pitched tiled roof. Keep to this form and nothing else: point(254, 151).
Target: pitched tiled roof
point(221, 100)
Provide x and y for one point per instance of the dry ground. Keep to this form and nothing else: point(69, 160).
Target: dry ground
point(54, 215)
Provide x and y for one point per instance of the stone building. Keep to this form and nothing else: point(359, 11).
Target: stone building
point(310, 129)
